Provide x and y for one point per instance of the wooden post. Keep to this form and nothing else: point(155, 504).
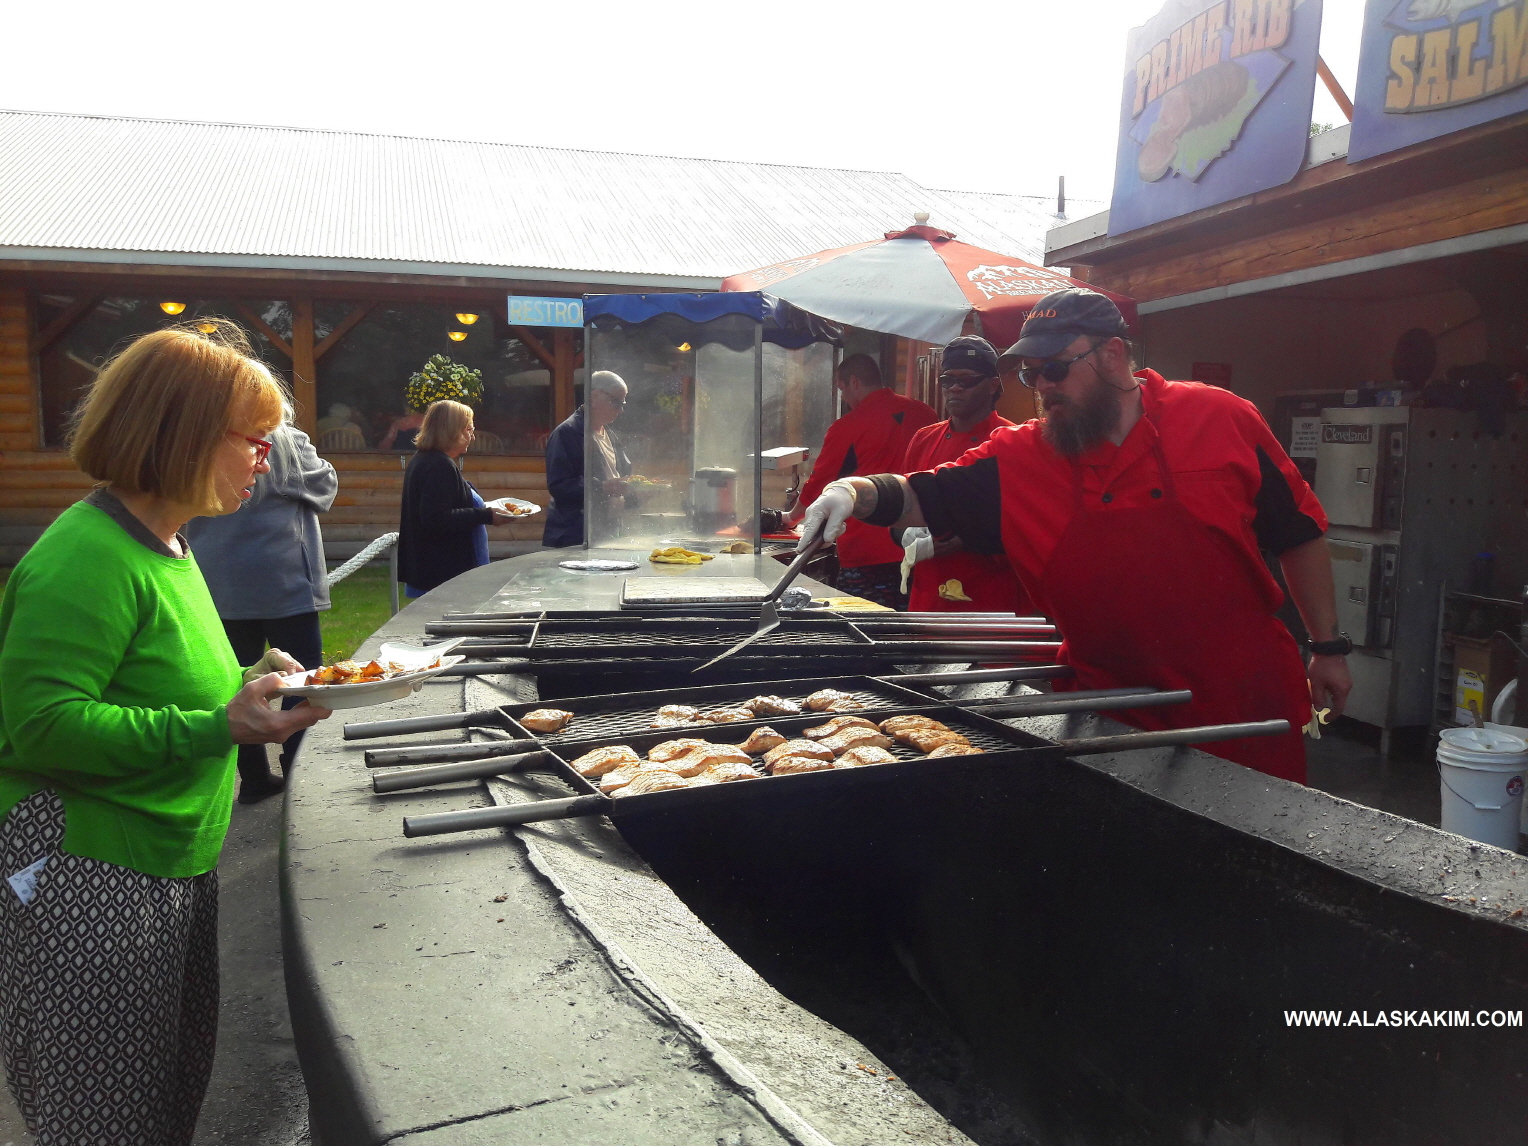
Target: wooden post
point(562, 375)
point(1344, 104)
point(304, 367)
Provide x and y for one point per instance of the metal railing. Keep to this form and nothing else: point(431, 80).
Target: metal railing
point(387, 543)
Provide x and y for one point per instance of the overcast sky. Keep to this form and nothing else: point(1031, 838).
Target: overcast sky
point(965, 94)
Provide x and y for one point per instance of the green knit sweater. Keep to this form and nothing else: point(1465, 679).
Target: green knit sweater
point(115, 675)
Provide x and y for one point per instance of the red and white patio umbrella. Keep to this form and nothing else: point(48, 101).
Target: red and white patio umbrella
point(918, 283)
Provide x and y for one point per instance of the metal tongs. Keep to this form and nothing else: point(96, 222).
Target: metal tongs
point(769, 618)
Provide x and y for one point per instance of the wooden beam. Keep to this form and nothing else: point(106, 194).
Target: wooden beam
point(533, 344)
point(562, 375)
point(347, 324)
point(1334, 88)
point(56, 329)
point(264, 328)
point(304, 367)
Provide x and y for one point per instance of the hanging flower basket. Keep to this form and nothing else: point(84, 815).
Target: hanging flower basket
point(442, 380)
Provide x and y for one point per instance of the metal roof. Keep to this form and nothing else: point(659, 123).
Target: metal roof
point(86, 187)
point(1029, 216)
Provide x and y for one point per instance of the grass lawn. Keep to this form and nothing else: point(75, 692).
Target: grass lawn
point(361, 604)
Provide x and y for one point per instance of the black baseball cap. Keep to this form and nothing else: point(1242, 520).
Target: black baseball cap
point(1060, 317)
point(970, 352)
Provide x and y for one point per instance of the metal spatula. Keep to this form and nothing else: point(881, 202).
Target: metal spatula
point(769, 619)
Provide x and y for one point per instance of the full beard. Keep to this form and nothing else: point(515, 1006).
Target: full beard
point(1082, 423)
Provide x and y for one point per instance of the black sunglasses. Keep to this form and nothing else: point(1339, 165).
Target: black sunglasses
point(963, 382)
point(1053, 371)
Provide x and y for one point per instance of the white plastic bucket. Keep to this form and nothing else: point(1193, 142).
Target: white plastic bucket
point(1482, 771)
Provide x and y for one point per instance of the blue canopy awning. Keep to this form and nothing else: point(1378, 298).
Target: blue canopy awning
point(783, 324)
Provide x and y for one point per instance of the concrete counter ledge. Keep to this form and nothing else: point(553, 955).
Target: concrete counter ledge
point(1096, 951)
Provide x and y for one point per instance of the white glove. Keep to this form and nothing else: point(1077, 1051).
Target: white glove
point(826, 515)
point(917, 545)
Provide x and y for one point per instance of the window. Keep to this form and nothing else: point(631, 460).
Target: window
point(69, 363)
point(361, 379)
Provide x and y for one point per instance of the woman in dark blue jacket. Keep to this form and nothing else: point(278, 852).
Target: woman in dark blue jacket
point(442, 530)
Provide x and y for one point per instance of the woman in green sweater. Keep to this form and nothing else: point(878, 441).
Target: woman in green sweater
point(120, 705)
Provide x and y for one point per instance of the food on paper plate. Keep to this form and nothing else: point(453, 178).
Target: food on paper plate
point(675, 716)
point(729, 715)
point(678, 555)
point(855, 737)
point(772, 705)
point(955, 749)
point(673, 749)
point(761, 740)
point(863, 755)
point(805, 748)
point(789, 765)
point(928, 739)
point(837, 724)
point(602, 760)
point(651, 780)
point(893, 725)
point(832, 700)
point(353, 672)
point(546, 719)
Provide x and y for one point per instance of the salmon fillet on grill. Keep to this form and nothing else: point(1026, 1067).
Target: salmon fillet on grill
point(837, 724)
point(954, 749)
point(905, 735)
point(602, 760)
point(863, 755)
point(546, 719)
point(652, 780)
point(728, 772)
point(673, 749)
point(761, 740)
point(772, 705)
point(675, 716)
point(789, 765)
point(804, 748)
point(727, 715)
point(895, 724)
point(928, 739)
point(697, 760)
point(618, 778)
point(832, 700)
point(841, 742)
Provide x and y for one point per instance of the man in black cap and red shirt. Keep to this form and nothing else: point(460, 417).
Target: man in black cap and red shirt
point(1135, 512)
point(948, 577)
point(871, 436)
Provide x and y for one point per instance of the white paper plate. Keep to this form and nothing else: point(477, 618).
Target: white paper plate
point(506, 502)
point(376, 691)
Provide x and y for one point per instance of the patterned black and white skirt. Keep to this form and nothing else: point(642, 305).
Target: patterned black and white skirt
point(108, 989)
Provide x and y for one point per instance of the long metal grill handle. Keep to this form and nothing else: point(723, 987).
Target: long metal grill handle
point(1171, 737)
point(447, 753)
point(981, 676)
point(441, 823)
point(408, 778)
point(366, 729)
point(1092, 700)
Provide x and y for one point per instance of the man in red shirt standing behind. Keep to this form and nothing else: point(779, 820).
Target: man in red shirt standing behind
point(870, 438)
point(948, 577)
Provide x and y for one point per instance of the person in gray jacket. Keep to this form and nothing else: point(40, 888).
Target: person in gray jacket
point(265, 567)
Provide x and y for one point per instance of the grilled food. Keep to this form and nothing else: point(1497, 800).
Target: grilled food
point(618, 778)
point(895, 724)
point(673, 749)
point(906, 733)
point(729, 771)
point(761, 740)
point(832, 700)
point(675, 716)
point(806, 748)
point(772, 705)
point(928, 739)
point(651, 780)
point(863, 755)
point(788, 765)
point(727, 715)
point(697, 760)
point(602, 760)
point(837, 724)
point(678, 555)
point(353, 672)
point(856, 737)
point(955, 749)
point(546, 719)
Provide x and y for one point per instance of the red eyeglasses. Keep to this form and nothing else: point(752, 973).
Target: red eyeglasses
point(262, 447)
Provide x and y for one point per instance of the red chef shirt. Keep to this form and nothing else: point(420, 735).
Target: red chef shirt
point(986, 578)
point(1013, 494)
point(872, 438)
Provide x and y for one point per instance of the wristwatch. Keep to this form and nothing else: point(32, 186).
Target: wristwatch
point(1340, 646)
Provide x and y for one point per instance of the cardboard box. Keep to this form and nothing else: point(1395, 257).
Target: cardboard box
point(1482, 669)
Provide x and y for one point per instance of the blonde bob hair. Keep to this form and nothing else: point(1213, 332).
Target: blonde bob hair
point(157, 413)
point(444, 424)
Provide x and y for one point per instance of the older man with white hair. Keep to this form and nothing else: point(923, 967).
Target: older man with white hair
point(565, 462)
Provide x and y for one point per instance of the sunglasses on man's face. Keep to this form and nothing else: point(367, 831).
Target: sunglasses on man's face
point(961, 381)
point(1053, 370)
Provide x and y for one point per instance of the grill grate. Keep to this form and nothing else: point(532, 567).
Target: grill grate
point(596, 642)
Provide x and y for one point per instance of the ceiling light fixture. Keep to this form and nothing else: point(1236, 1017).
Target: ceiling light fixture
point(466, 319)
point(456, 335)
point(206, 327)
point(172, 307)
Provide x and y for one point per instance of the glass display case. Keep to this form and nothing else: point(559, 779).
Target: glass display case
point(685, 395)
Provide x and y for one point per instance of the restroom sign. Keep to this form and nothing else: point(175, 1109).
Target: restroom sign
point(527, 310)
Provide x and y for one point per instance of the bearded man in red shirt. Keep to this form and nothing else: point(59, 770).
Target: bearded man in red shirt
point(1136, 513)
